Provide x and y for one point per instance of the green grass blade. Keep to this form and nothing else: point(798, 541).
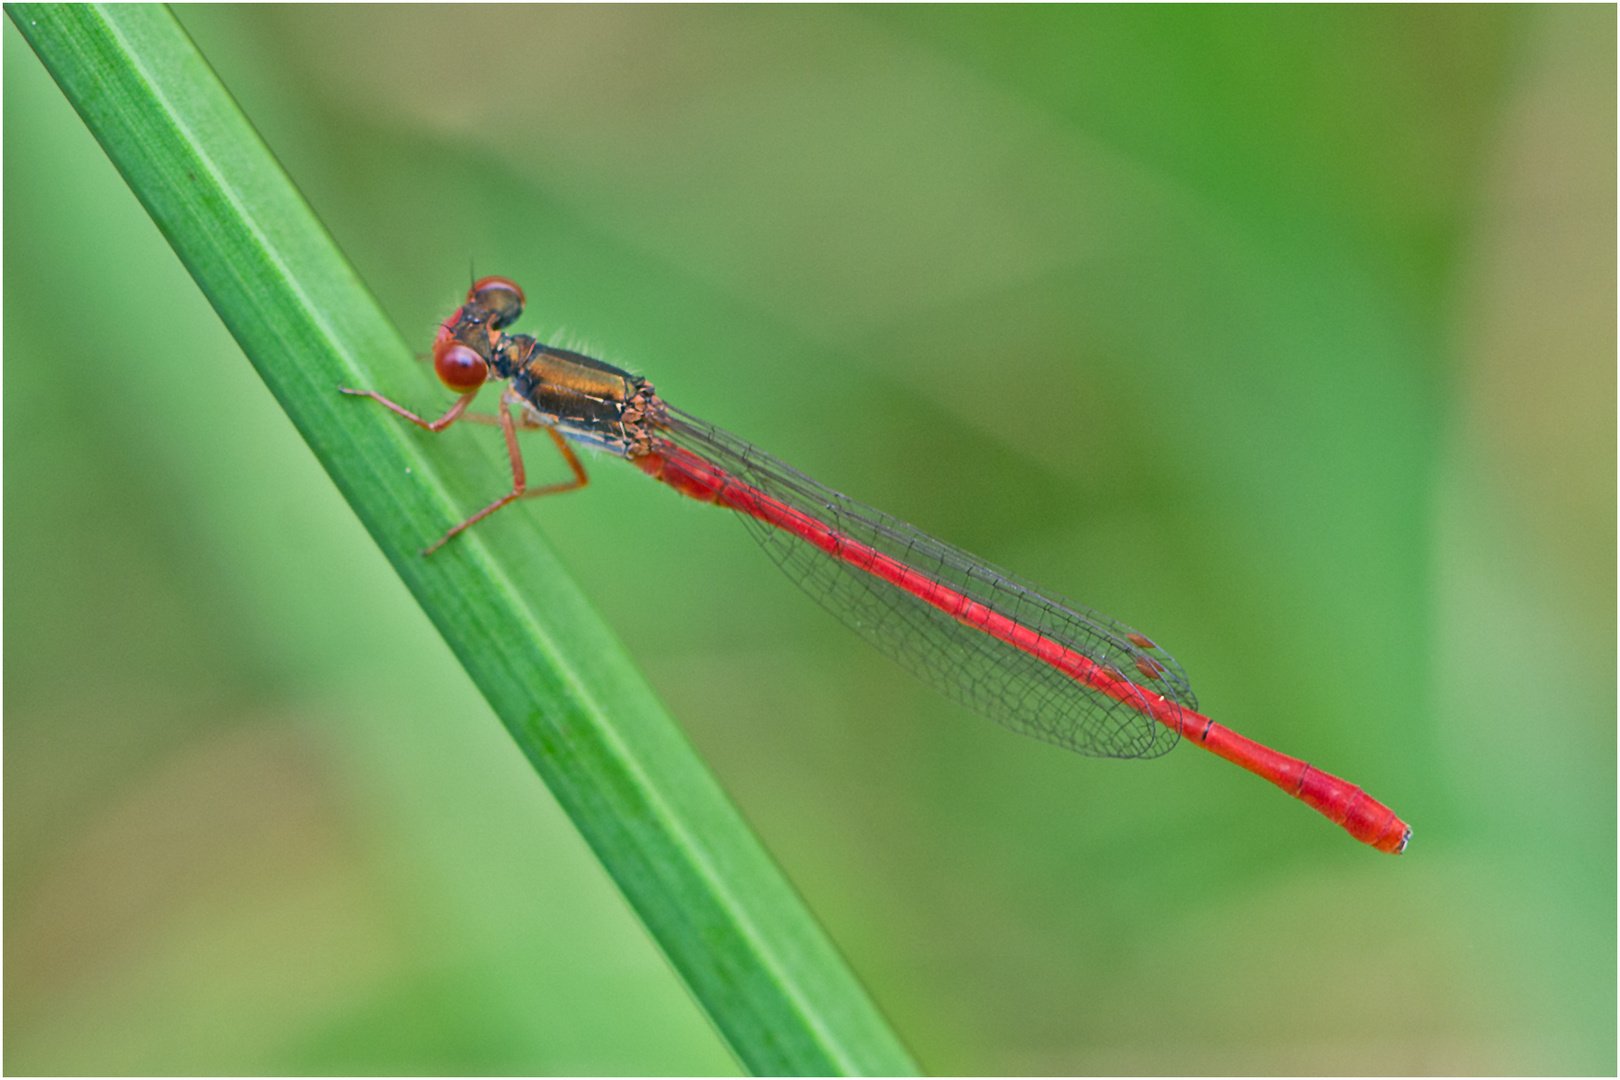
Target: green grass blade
point(722, 912)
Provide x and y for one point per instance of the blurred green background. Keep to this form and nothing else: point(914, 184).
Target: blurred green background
point(1285, 335)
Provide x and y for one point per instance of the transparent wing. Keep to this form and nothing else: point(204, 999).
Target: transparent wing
point(988, 675)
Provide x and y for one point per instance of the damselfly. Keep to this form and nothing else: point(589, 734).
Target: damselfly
point(1032, 661)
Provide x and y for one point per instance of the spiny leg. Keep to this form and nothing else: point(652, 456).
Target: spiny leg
point(519, 476)
point(434, 426)
point(523, 421)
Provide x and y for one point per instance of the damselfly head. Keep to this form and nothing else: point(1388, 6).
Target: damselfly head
point(499, 296)
point(458, 367)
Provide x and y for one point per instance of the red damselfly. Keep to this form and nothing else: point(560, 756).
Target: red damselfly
point(1032, 661)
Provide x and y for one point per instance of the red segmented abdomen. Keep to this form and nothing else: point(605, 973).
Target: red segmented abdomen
point(1341, 802)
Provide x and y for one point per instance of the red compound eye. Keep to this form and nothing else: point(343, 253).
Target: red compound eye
point(458, 367)
point(501, 297)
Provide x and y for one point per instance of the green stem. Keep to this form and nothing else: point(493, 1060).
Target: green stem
point(703, 885)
